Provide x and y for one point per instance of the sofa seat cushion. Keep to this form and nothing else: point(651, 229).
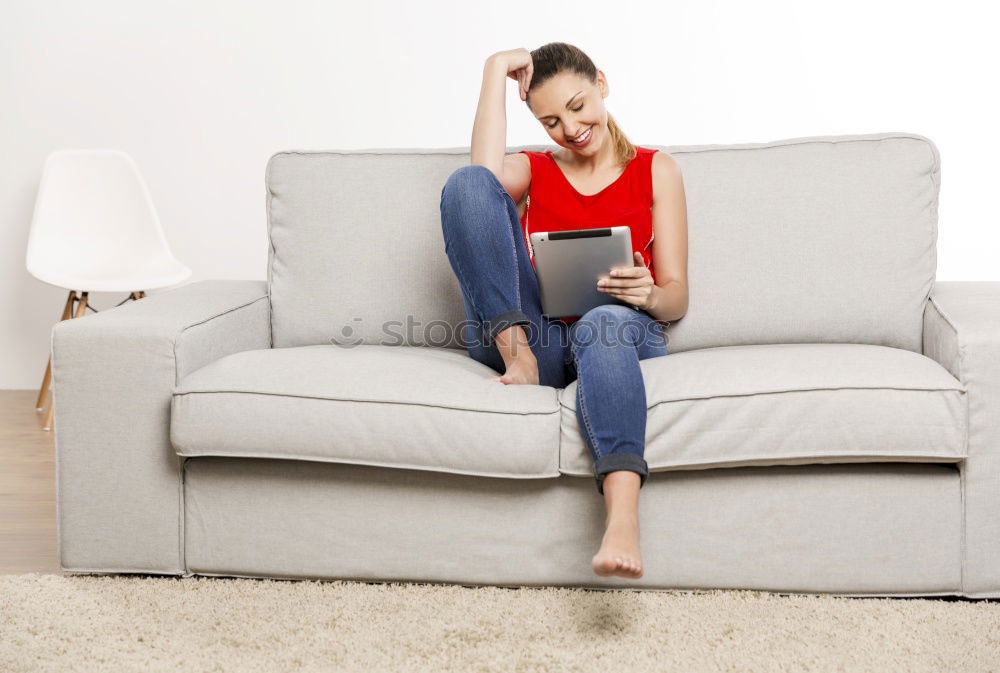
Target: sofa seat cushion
point(414, 407)
point(788, 404)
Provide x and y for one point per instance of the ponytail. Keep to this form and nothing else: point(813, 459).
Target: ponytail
point(624, 149)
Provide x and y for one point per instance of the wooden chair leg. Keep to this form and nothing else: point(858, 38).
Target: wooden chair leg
point(47, 379)
point(81, 308)
point(47, 424)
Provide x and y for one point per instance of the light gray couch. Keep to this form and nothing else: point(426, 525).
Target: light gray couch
point(827, 420)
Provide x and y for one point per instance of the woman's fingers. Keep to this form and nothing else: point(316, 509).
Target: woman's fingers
point(620, 283)
point(630, 298)
point(622, 293)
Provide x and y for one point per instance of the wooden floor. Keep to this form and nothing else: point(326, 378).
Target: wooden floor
point(28, 540)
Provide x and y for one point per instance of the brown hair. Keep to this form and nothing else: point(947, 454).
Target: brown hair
point(557, 57)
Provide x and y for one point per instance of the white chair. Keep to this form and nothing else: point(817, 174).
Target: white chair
point(95, 229)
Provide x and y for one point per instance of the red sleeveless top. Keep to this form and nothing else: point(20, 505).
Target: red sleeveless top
point(555, 205)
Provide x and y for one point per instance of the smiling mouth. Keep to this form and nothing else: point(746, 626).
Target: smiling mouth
point(582, 139)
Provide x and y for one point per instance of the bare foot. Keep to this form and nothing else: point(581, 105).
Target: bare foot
point(619, 552)
point(520, 370)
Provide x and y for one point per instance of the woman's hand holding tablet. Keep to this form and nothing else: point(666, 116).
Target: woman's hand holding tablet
point(633, 285)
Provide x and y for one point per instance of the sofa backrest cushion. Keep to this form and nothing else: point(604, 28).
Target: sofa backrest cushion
point(820, 239)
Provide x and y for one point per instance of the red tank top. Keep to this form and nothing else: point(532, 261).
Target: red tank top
point(555, 205)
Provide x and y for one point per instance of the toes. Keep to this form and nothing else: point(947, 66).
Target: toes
point(618, 565)
point(604, 566)
point(631, 568)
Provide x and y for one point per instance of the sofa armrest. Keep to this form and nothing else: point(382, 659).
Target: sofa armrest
point(961, 331)
point(119, 487)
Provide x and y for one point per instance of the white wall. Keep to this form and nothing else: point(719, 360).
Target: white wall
point(200, 94)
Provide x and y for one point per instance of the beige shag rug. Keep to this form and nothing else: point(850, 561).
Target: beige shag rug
point(150, 623)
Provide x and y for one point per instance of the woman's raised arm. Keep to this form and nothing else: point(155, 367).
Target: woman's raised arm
point(489, 131)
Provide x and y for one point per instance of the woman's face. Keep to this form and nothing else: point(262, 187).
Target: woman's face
point(571, 107)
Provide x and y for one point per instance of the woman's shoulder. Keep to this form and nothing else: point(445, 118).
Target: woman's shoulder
point(537, 162)
point(535, 155)
point(643, 159)
point(654, 153)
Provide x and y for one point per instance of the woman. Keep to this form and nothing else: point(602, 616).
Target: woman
point(597, 179)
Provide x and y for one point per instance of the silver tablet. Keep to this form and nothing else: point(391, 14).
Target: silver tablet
point(569, 264)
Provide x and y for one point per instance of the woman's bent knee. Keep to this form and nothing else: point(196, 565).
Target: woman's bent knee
point(470, 203)
point(468, 177)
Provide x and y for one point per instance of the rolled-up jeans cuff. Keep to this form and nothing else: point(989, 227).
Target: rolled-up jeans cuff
point(620, 461)
point(506, 319)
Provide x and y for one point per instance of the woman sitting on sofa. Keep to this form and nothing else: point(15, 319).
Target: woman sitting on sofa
point(598, 179)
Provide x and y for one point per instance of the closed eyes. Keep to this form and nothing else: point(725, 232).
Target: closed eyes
point(552, 126)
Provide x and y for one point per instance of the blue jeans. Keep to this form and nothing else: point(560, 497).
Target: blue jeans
point(485, 245)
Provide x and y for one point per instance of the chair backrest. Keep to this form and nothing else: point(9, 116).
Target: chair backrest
point(94, 220)
point(819, 239)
